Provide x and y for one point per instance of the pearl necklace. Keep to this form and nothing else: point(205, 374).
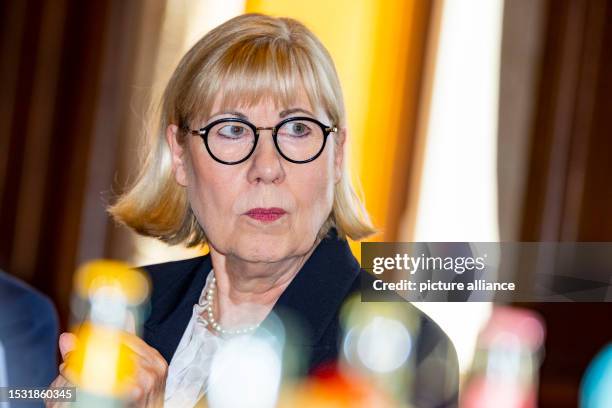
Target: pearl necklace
point(210, 297)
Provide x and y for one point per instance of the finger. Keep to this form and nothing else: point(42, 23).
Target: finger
point(138, 345)
point(67, 343)
point(135, 396)
point(148, 385)
point(60, 381)
point(154, 363)
point(147, 352)
point(66, 357)
point(67, 373)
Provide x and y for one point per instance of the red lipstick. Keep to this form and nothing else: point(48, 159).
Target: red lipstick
point(266, 214)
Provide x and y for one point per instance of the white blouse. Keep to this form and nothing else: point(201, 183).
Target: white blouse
point(188, 372)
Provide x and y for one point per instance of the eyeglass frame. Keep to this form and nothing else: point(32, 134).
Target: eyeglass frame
point(203, 133)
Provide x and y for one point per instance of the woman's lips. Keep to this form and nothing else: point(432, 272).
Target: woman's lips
point(266, 214)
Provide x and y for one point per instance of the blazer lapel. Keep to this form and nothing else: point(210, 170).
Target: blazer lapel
point(318, 290)
point(172, 305)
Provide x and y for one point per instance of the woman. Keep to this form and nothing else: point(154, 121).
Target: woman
point(250, 160)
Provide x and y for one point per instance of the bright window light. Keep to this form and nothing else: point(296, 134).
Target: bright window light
point(458, 197)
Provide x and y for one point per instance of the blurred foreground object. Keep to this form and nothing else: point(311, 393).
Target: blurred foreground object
point(102, 365)
point(332, 387)
point(28, 335)
point(376, 363)
point(596, 388)
point(506, 364)
point(374, 371)
point(378, 347)
point(251, 363)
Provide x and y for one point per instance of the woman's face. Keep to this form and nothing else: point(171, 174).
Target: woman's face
point(233, 202)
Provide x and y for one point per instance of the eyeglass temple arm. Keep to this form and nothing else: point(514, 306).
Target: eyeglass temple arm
point(194, 132)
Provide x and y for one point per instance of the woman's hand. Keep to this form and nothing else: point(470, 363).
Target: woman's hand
point(150, 379)
point(151, 372)
point(66, 344)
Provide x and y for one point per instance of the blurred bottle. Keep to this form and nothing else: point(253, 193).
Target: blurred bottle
point(378, 351)
point(111, 296)
point(506, 364)
point(596, 387)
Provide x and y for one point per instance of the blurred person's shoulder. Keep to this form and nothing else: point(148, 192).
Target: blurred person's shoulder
point(28, 333)
point(22, 303)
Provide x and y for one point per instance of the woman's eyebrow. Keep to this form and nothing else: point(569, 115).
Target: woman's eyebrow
point(286, 112)
point(234, 113)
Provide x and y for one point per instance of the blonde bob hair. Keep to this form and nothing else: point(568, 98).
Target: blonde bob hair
point(245, 59)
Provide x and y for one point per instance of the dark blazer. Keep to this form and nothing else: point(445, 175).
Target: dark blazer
point(28, 336)
point(315, 295)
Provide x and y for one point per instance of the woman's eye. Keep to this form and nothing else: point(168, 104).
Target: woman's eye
point(299, 129)
point(232, 131)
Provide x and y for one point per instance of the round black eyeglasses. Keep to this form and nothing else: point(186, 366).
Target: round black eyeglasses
point(233, 140)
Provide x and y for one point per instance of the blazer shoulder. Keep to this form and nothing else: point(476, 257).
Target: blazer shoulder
point(166, 270)
point(438, 365)
point(167, 274)
point(436, 357)
point(428, 328)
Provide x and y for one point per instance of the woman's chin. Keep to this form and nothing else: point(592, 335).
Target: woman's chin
point(264, 248)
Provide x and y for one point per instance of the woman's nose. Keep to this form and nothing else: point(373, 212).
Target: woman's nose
point(266, 162)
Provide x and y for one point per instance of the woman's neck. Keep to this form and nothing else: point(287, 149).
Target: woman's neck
point(247, 291)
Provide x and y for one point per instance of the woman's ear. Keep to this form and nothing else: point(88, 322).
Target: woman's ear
point(178, 154)
point(339, 154)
